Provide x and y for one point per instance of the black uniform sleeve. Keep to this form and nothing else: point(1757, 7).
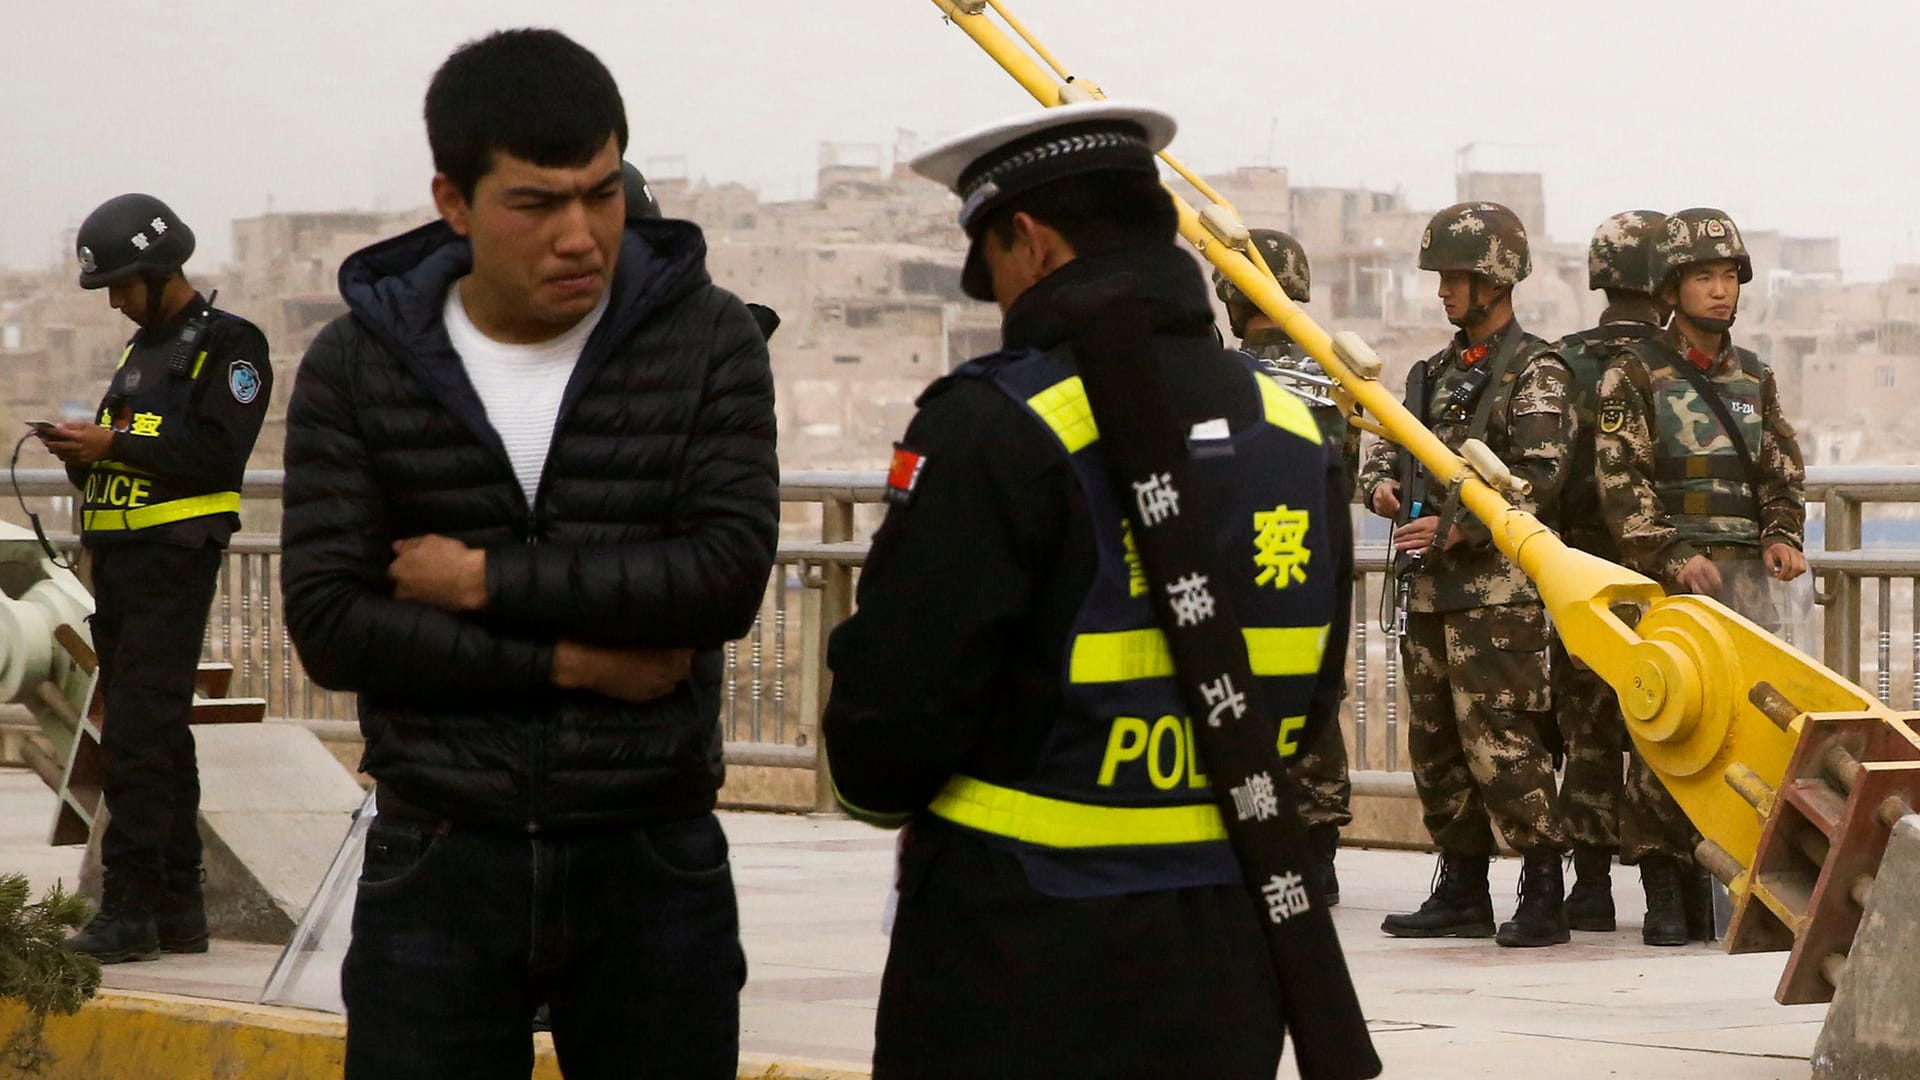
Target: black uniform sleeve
point(210, 445)
point(352, 634)
point(950, 574)
point(1331, 688)
point(702, 585)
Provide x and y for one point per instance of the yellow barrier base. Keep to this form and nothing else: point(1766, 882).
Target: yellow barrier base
point(125, 1035)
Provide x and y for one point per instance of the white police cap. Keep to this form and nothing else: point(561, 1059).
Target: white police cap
point(989, 166)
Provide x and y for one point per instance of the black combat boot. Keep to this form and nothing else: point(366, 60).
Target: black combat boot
point(1541, 918)
point(1590, 902)
point(1324, 841)
point(1666, 914)
point(124, 928)
point(1696, 897)
point(1460, 905)
point(181, 915)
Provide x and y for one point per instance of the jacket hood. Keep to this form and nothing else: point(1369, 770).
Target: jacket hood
point(397, 290)
point(398, 287)
point(1161, 277)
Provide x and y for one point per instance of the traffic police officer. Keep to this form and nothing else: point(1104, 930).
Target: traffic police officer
point(1326, 790)
point(1475, 647)
point(1003, 687)
point(1701, 484)
point(160, 469)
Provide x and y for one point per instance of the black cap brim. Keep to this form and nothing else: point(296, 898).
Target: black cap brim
point(975, 279)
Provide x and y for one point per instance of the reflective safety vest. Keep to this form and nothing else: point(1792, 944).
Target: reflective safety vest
point(142, 401)
point(1117, 801)
point(1703, 486)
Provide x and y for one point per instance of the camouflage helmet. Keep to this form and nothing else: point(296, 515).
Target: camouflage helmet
point(1621, 254)
point(1285, 257)
point(1699, 235)
point(1480, 237)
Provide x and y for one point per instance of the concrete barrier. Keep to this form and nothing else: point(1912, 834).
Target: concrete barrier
point(123, 1035)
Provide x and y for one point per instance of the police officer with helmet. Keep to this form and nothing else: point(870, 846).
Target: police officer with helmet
point(160, 468)
point(1326, 789)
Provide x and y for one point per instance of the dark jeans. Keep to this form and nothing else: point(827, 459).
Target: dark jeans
point(150, 613)
point(630, 935)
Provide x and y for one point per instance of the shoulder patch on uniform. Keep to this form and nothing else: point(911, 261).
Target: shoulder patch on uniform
point(903, 474)
point(1613, 416)
point(243, 381)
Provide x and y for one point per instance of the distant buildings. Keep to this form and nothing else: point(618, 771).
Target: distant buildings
point(865, 276)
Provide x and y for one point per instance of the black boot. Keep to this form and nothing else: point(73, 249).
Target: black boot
point(1589, 903)
point(124, 928)
point(1324, 841)
point(1666, 914)
point(1696, 897)
point(1541, 918)
point(181, 916)
point(1459, 906)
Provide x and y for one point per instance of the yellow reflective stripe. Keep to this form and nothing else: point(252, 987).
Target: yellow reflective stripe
point(1063, 407)
point(1036, 819)
point(1125, 655)
point(124, 353)
point(198, 361)
point(146, 517)
point(1284, 410)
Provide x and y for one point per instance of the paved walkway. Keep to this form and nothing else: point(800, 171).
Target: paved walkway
point(812, 890)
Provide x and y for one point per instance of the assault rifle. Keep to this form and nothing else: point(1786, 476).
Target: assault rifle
point(1413, 503)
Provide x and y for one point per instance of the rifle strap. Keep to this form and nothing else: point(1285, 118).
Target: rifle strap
point(1704, 387)
point(1147, 458)
point(1495, 389)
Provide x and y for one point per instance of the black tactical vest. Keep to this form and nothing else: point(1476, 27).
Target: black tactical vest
point(1117, 801)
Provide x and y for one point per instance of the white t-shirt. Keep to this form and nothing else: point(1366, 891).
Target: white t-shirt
point(520, 385)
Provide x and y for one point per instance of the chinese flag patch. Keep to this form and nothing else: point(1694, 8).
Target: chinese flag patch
point(903, 474)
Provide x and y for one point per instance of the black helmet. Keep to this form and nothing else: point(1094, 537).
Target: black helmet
point(640, 200)
point(128, 235)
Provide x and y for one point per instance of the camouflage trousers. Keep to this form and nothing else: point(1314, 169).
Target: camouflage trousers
point(1326, 794)
point(1637, 816)
point(1478, 696)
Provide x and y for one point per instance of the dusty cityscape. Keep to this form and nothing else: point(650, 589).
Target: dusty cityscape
point(865, 275)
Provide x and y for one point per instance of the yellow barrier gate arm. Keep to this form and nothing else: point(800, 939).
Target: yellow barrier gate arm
point(1714, 704)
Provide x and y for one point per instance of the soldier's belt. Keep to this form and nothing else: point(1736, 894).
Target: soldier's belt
point(1701, 467)
point(1125, 655)
point(163, 513)
point(1058, 823)
point(1699, 504)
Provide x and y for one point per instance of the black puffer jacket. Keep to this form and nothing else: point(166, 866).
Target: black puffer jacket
point(653, 525)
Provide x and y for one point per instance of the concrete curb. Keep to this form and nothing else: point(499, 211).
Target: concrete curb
point(125, 1035)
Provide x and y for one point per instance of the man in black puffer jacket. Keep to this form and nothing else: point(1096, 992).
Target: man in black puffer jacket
point(531, 491)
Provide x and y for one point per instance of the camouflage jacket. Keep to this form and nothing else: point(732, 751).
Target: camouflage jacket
point(1530, 428)
point(1642, 429)
point(1586, 353)
point(1271, 348)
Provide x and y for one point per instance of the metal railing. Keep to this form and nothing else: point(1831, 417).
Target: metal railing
point(776, 677)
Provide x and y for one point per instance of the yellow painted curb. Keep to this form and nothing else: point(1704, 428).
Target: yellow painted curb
point(126, 1035)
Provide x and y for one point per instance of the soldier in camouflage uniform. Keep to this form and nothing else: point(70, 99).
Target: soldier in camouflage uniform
point(1685, 504)
point(1475, 647)
point(1619, 261)
point(1326, 792)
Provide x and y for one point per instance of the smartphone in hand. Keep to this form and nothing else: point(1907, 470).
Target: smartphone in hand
point(42, 428)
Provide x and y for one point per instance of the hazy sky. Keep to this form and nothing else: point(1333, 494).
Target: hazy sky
point(1789, 115)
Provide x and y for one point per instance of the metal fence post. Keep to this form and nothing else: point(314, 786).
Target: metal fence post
point(835, 604)
point(1841, 629)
